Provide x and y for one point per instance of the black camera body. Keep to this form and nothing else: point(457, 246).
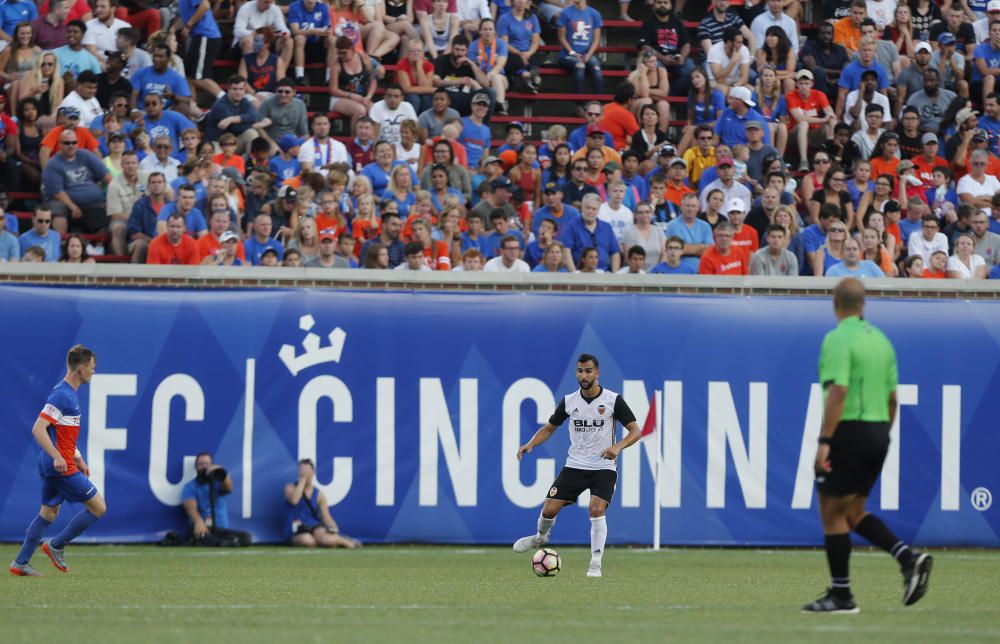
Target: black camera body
point(218, 475)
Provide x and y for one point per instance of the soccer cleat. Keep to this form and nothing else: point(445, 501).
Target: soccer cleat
point(23, 570)
point(524, 544)
point(916, 577)
point(594, 570)
point(831, 604)
point(56, 555)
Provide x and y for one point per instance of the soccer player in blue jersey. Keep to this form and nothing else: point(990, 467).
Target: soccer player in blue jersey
point(61, 467)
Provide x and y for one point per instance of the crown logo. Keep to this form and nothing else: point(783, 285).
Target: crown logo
point(314, 354)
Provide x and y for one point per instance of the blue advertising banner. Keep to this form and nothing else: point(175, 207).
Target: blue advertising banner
point(413, 406)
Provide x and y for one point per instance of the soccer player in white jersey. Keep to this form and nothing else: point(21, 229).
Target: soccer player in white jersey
point(594, 413)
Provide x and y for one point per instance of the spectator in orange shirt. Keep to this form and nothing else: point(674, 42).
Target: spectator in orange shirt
point(885, 159)
point(676, 188)
point(218, 223)
point(745, 238)
point(847, 31)
point(436, 254)
point(228, 157)
point(619, 121)
point(595, 141)
point(722, 258)
point(173, 246)
point(68, 119)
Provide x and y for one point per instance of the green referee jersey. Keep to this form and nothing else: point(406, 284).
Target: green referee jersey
point(858, 356)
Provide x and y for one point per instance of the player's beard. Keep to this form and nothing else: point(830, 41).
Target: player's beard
point(585, 384)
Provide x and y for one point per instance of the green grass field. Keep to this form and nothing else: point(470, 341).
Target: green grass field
point(455, 594)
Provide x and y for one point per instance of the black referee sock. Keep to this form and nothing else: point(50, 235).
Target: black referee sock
point(874, 530)
point(838, 556)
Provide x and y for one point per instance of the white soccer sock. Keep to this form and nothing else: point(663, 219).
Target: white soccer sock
point(598, 536)
point(300, 71)
point(545, 525)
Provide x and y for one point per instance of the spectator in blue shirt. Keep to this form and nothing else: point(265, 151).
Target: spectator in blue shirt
point(674, 264)
point(731, 127)
point(41, 234)
point(193, 218)
point(476, 135)
point(591, 232)
point(522, 33)
point(160, 79)
point(73, 58)
point(233, 113)
point(261, 240)
point(203, 39)
point(561, 214)
point(850, 78)
point(490, 55)
point(14, 12)
point(309, 21)
point(593, 111)
point(142, 220)
point(852, 266)
point(694, 233)
point(814, 236)
point(158, 121)
point(579, 30)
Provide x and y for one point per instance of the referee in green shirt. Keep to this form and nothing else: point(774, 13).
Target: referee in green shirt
point(857, 368)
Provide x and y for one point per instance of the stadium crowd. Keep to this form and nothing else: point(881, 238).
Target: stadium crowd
point(889, 112)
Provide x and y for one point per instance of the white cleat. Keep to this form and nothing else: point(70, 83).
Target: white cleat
point(594, 570)
point(524, 544)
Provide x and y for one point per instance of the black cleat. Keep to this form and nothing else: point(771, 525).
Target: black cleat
point(916, 577)
point(833, 605)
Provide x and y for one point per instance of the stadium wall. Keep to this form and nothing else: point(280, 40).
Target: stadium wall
point(413, 405)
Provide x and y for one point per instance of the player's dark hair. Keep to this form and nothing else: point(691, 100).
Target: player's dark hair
point(413, 248)
point(78, 356)
point(636, 250)
point(776, 228)
point(586, 357)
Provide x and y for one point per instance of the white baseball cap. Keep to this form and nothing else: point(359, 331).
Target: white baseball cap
point(926, 47)
point(743, 94)
point(736, 204)
point(993, 5)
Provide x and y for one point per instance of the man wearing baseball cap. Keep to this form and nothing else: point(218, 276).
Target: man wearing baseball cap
point(812, 116)
point(67, 118)
point(327, 256)
point(925, 162)
point(596, 141)
point(951, 64)
point(911, 78)
point(476, 134)
point(731, 126)
point(966, 122)
point(554, 209)
point(981, 27)
point(731, 189)
point(745, 237)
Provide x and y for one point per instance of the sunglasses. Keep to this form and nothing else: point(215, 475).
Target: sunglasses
point(43, 221)
point(822, 161)
point(48, 65)
point(285, 91)
point(838, 230)
point(68, 142)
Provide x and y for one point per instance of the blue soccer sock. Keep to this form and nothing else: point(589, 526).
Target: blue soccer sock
point(76, 526)
point(36, 530)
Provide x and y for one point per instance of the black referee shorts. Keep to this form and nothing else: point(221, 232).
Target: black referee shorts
point(857, 452)
point(571, 483)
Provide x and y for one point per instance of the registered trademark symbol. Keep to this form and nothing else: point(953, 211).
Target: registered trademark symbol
point(981, 499)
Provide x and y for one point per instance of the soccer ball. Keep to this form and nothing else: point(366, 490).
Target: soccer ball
point(546, 562)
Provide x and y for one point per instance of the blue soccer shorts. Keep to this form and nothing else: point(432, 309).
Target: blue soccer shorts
point(76, 488)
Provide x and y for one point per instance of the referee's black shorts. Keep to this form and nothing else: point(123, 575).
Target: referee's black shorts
point(857, 452)
point(571, 483)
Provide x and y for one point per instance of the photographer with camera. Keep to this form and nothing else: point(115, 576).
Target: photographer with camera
point(205, 504)
point(309, 523)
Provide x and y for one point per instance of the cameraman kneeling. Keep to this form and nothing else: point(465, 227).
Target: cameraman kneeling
point(309, 523)
point(206, 508)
